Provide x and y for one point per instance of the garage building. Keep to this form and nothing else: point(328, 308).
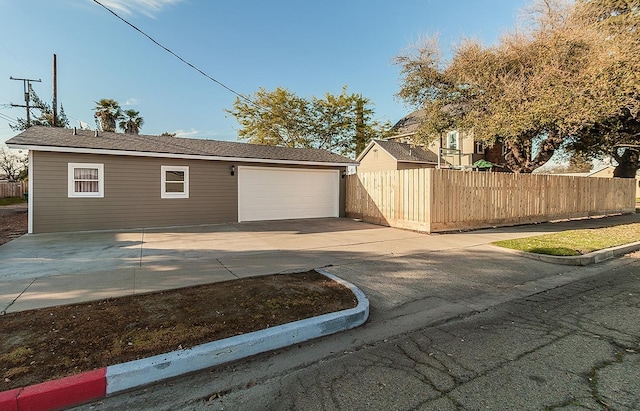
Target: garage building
point(82, 180)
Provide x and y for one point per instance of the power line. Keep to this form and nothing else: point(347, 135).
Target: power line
point(242, 96)
point(9, 119)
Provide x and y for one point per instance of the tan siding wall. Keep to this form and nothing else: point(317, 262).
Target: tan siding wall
point(132, 194)
point(379, 162)
point(411, 166)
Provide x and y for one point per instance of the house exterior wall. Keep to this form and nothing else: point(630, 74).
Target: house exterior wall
point(606, 172)
point(412, 166)
point(468, 148)
point(132, 194)
point(377, 160)
point(493, 154)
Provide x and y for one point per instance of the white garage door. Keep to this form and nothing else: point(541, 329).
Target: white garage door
point(266, 193)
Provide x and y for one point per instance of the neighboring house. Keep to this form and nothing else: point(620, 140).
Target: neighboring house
point(604, 172)
point(82, 180)
point(392, 155)
point(607, 171)
point(454, 149)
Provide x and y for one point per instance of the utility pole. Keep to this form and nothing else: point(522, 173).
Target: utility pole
point(361, 142)
point(27, 87)
point(55, 93)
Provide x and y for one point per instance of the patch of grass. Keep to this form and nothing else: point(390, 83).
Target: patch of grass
point(12, 200)
point(17, 355)
point(576, 242)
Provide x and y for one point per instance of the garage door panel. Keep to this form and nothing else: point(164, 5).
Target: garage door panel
point(266, 193)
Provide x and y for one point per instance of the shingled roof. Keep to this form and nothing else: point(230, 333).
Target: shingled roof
point(68, 140)
point(408, 124)
point(407, 153)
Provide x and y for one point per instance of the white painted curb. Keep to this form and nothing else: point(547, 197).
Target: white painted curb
point(153, 369)
point(594, 257)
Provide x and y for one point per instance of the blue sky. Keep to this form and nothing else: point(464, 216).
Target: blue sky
point(308, 47)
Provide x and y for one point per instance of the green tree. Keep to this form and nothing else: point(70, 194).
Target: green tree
point(276, 118)
point(617, 134)
point(132, 122)
point(107, 114)
point(579, 164)
point(44, 116)
point(340, 123)
point(533, 92)
point(344, 123)
point(168, 134)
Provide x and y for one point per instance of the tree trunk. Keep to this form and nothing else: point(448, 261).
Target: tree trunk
point(628, 163)
point(519, 159)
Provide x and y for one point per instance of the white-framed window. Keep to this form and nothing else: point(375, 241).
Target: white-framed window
point(85, 180)
point(175, 182)
point(453, 140)
point(480, 147)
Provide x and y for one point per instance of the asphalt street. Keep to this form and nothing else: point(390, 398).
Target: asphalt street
point(568, 339)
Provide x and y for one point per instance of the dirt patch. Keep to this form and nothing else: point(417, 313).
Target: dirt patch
point(50, 343)
point(13, 222)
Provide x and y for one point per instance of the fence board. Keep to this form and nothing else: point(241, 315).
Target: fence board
point(13, 189)
point(442, 200)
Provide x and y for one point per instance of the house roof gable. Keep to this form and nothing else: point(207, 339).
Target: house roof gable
point(403, 152)
point(41, 138)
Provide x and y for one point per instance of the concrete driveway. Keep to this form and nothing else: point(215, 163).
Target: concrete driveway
point(390, 265)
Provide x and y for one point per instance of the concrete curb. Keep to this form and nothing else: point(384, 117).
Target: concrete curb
point(96, 384)
point(580, 260)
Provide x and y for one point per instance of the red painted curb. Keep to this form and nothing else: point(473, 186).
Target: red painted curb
point(9, 399)
point(56, 394)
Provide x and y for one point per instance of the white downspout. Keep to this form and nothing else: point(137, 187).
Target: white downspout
point(30, 198)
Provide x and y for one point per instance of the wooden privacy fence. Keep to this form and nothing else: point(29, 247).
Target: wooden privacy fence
point(11, 189)
point(434, 200)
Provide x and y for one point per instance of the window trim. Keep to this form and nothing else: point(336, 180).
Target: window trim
point(71, 193)
point(457, 140)
point(163, 181)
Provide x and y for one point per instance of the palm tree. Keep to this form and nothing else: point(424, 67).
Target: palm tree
point(108, 112)
point(133, 122)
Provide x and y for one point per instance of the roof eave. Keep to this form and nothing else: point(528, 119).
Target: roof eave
point(365, 151)
point(59, 149)
point(417, 161)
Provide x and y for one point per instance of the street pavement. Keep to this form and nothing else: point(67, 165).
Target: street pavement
point(460, 327)
point(575, 347)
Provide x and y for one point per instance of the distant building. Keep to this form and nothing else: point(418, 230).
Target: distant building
point(453, 149)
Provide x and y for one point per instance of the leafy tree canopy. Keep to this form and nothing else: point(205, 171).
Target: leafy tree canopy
point(536, 90)
point(617, 133)
point(14, 164)
point(340, 123)
point(44, 116)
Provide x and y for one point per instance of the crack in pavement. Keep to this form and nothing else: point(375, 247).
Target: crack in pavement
point(4, 311)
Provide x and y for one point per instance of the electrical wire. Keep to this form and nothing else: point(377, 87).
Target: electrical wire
point(9, 119)
point(242, 96)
